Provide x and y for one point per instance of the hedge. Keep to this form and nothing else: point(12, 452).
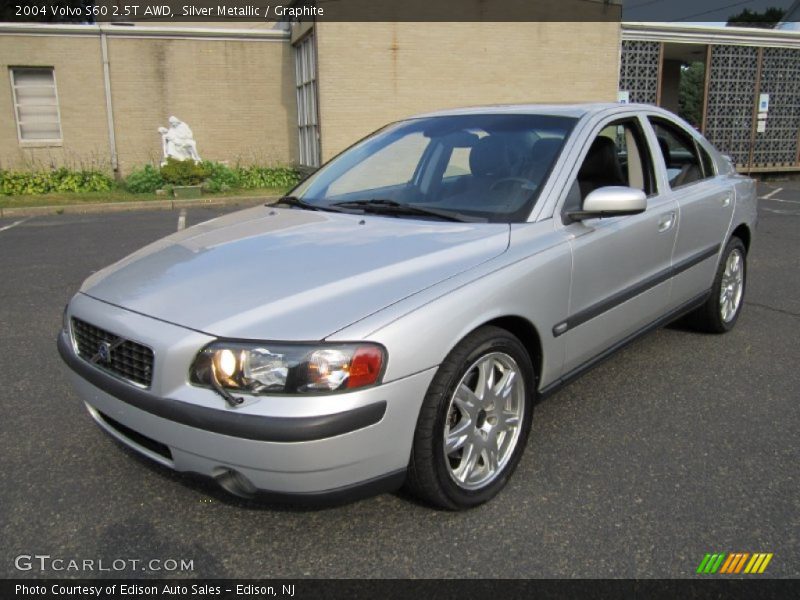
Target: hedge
point(213, 176)
point(19, 183)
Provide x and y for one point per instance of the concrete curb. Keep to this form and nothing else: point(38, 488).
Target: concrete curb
point(105, 207)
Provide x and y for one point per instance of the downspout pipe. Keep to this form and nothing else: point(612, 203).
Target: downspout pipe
point(112, 139)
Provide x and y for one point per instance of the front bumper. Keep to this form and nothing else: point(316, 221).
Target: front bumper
point(279, 445)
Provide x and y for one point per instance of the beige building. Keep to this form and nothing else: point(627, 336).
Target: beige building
point(750, 90)
point(371, 74)
point(94, 95)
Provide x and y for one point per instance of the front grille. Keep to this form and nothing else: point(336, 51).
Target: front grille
point(126, 359)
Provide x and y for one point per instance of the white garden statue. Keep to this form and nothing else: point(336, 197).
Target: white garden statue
point(178, 142)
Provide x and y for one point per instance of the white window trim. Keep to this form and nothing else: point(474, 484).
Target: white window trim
point(44, 141)
point(307, 93)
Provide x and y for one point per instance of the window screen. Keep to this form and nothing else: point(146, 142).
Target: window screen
point(305, 79)
point(36, 104)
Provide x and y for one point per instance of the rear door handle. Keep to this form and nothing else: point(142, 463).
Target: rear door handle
point(666, 222)
point(726, 201)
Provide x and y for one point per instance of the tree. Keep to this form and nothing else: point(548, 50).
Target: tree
point(690, 92)
point(766, 20)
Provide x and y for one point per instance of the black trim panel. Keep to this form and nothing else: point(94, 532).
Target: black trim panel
point(391, 482)
point(595, 310)
point(225, 422)
point(593, 362)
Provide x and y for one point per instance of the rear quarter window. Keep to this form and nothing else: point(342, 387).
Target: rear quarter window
point(709, 168)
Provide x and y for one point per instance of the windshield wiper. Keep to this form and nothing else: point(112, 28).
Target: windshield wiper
point(392, 207)
point(298, 203)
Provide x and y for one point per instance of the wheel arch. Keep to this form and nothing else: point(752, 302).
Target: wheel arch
point(742, 231)
point(527, 333)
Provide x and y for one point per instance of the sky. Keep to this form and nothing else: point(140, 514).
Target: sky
point(693, 10)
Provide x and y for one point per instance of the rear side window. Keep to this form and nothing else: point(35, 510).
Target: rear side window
point(680, 155)
point(708, 163)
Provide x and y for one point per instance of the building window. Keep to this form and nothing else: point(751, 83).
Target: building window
point(36, 104)
point(305, 65)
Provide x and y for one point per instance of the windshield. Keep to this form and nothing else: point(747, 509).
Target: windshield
point(485, 166)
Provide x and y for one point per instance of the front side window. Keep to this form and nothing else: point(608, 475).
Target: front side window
point(679, 153)
point(490, 167)
point(36, 104)
point(617, 156)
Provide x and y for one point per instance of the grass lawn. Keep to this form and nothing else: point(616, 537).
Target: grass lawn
point(67, 198)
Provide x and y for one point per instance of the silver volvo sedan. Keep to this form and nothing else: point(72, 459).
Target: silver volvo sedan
point(395, 317)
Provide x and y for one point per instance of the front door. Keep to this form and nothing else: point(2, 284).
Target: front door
point(621, 265)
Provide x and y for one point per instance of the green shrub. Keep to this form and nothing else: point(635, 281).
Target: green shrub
point(184, 172)
point(267, 177)
point(213, 176)
point(15, 183)
point(145, 180)
point(221, 178)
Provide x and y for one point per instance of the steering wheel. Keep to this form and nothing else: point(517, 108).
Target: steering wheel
point(521, 181)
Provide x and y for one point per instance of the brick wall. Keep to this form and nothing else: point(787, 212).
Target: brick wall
point(371, 74)
point(79, 81)
point(238, 97)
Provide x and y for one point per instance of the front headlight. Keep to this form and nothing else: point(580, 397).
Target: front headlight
point(265, 368)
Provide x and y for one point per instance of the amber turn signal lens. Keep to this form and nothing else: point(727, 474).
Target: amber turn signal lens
point(365, 367)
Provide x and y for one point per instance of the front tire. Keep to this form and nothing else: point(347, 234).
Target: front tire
point(721, 311)
point(474, 421)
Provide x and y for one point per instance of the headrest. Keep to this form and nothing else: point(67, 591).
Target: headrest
point(601, 161)
point(488, 157)
point(545, 149)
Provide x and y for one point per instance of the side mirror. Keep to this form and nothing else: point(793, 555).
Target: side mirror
point(611, 201)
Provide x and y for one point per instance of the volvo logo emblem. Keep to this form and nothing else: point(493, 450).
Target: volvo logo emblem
point(104, 352)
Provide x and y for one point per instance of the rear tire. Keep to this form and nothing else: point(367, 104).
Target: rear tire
point(721, 310)
point(474, 422)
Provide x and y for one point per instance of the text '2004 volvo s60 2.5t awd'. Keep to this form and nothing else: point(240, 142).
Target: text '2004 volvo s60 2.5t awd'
point(394, 318)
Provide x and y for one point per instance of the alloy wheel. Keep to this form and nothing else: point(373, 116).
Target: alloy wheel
point(732, 286)
point(484, 419)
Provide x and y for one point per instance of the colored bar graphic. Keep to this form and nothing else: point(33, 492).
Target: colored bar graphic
point(734, 562)
point(731, 563)
point(740, 564)
point(756, 558)
point(727, 565)
point(703, 563)
point(718, 563)
point(765, 563)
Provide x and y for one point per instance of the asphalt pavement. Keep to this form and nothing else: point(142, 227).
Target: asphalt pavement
point(679, 445)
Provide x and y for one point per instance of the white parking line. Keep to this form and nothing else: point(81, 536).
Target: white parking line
point(771, 194)
point(182, 219)
point(15, 223)
point(782, 212)
point(782, 200)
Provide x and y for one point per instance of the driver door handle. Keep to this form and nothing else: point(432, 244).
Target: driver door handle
point(665, 222)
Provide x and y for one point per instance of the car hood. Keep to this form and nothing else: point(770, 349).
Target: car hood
point(288, 274)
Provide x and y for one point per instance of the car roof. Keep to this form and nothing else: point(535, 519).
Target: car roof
point(576, 110)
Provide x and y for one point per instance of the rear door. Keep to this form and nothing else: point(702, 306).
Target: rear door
point(620, 275)
point(705, 207)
